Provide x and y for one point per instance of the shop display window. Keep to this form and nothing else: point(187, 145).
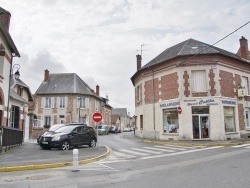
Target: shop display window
point(229, 119)
point(170, 121)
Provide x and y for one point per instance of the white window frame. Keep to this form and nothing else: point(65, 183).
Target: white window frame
point(232, 116)
point(62, 102)
point(84, 102)
point(245, 84)
point(199, 81)
point(138, 94)
point(48, 102)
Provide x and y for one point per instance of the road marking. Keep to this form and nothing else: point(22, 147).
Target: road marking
point(147, 151)
point(123, 155)
point(159, 149)
point(133, 152)
point(186, 147)
point(182, 152)
point(239, 146)
point(248, 147)
point(181, 149)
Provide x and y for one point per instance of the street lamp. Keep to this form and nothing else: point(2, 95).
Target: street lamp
point(79, 104)
point(15, 76)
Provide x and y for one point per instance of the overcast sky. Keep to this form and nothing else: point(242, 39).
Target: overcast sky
point(99, 39)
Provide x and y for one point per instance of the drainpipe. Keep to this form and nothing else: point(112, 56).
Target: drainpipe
point(153, 98)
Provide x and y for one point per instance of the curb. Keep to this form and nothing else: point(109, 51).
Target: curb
point(53, 165)
point(196, 144)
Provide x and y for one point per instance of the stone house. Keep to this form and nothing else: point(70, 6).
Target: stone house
point(193, 91)
point(66, 98)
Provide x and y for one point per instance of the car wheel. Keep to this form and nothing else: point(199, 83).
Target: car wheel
point(65, 145)
point(92, 143)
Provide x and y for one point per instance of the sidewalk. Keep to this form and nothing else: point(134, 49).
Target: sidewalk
point(207, 143)
point(30, 156)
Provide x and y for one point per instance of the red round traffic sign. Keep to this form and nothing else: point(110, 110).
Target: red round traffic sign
point(179, 110)
point(97, 117)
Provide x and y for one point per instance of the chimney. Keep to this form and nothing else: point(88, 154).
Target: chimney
point(5, 18)
point(243, 51)
point(97, 90)
point(138, 58)
point(46, 75)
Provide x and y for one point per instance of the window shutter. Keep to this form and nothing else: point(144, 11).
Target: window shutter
point(66, 102)
point(87, 102)
point(77, 102)
point(43, 102)
point(58, 102)
point(52, 120)
point(52, 102)
point(42, 121)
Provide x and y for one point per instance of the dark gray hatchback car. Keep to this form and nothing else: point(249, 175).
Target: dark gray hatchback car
point(69, 136)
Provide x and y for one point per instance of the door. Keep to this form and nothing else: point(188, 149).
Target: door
point(200, 126)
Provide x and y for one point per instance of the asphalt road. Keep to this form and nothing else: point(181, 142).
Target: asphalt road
point(136, 164)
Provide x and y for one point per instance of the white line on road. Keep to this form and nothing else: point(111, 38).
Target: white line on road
point(133, 152)
point(182, 152)
point(181, 149)
point(147, 151)
point(239, 146)
point(159, 149)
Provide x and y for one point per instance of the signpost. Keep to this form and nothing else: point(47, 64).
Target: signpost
point(97, 117)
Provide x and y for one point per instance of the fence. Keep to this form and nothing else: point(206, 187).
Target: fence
point(9, 137)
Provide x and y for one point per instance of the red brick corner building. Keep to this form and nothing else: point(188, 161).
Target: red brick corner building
point(193, 91)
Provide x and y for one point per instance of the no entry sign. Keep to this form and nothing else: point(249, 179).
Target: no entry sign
point(179, 110)
point(97, 117)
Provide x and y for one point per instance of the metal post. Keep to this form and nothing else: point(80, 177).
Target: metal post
point(75, 160)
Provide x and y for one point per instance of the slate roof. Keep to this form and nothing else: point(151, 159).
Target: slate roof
point(190, 47)
point(15, 96)
point(6, 34)
point(65, 83)
point(21, 83)
point(120, 111)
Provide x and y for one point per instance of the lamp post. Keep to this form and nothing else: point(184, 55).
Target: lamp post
point(15, 76)
point(79, 104)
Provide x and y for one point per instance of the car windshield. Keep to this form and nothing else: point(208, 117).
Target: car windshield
point(65, 129)
point(101, 127)
point(55, 127)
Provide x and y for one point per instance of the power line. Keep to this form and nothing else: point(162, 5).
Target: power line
point(221, 39)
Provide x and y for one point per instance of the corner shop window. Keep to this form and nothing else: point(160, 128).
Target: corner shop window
point(170, 121)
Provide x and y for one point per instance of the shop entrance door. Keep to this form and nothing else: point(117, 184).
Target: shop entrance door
point(200, 126)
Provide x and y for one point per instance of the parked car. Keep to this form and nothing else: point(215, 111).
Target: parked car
point(71, 135)
point(113, 129)
point(126, 129)
point(103, 129)
point(50, 131)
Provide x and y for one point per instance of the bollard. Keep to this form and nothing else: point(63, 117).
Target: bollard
point(75, 160)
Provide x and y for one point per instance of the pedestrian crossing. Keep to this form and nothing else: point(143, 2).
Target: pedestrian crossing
point(151, 152)
point(247, 146)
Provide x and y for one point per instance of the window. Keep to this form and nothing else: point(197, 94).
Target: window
point(245, 84)
point(199, 80)
point(82, 102)
point(47, 102)
point(170, 121)
point(141, 121)
point(138, 94)
point(61, 102)
point(47, 120)
point(20, 91)
point(229, 119)
point(96, 105)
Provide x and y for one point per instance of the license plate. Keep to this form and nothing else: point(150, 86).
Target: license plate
point(44, 142)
